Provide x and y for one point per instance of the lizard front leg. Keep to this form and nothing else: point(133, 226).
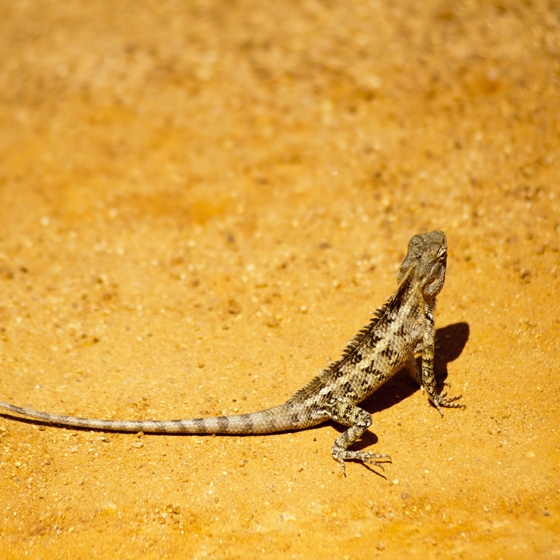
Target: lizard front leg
point(416, 374)
point(359, 421)
point(428, 377)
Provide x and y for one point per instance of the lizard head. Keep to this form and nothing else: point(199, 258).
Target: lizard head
point(426, 261)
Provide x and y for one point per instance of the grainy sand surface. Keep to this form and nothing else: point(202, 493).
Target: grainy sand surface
point(200, 202)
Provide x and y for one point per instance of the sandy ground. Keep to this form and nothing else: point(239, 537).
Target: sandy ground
point(201, 202)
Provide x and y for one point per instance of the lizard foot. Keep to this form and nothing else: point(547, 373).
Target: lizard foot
point(362, 456)
point(440, 401)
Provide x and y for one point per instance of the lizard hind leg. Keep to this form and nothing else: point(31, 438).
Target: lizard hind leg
point(358, 421)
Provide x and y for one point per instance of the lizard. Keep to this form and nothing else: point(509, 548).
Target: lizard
point(399, 330)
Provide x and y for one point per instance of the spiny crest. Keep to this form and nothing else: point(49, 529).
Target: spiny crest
point(393, 302)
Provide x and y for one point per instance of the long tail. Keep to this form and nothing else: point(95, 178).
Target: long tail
point(277, 419)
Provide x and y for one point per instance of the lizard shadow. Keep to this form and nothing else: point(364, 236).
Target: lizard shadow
point(450, 342)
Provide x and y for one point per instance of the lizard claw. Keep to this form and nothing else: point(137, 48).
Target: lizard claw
point(371, 460)
point(364, 457)
point(440, 401)
point(341, 461)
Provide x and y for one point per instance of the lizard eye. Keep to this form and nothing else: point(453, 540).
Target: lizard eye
point(442, 255)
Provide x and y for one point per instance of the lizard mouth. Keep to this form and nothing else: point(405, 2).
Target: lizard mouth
point(434, 282)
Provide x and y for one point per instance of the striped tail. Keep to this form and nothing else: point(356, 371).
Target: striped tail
point(278, 419)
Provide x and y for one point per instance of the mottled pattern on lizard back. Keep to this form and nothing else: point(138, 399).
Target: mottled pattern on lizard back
point(377, 351)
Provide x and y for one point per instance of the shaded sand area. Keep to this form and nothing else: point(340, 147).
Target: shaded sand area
point(201, 202)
